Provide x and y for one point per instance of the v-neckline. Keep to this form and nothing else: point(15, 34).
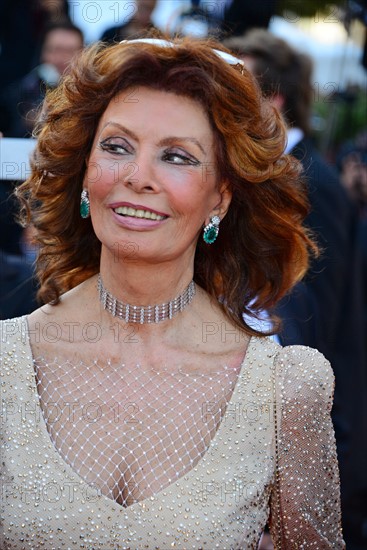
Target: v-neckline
point(221, 428)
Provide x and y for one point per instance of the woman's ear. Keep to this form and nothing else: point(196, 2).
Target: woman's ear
point(221, 208)
point(226, 194)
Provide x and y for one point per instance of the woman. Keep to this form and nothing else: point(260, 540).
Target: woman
point(167, 214)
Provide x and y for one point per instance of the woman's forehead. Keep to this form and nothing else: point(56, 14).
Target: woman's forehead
point(156, 109)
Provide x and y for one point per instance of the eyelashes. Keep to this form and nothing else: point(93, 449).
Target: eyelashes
point(117, 146)
point(171, 155)
point(180, 159)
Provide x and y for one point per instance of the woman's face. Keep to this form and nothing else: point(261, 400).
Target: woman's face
point(151, 176)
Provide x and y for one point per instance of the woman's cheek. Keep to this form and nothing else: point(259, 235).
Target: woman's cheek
point(183, 181)
point(102, 172)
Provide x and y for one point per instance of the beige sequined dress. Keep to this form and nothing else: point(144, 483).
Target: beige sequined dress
point(222, 502)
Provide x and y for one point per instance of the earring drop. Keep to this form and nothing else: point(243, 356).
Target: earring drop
point(84, 204)
point(211, 230)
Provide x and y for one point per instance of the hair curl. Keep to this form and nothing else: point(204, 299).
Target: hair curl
point(262, 249)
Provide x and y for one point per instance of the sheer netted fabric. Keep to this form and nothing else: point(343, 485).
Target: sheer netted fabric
point(118, 459)
point(305, 505)
point(130, 431)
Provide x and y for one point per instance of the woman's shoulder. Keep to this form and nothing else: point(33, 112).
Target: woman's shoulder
point(303, 374)
point(16, 359)
point(44, 328)
point(72, 303)
point(300, 373)
point(302, 361)
point(12, 331)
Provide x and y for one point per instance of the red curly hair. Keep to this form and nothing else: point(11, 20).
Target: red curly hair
point(262, 249)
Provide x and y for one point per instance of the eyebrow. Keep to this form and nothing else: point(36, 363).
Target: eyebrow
point(170, 140)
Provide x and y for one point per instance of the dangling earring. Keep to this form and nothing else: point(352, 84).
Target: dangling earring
point(211, 230)
point(84, 204)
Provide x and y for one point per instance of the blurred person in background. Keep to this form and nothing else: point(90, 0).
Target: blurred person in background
point(240, 16)
point(352, 165)
point(199, 19)
point(221, 18)
point(139, 24)
point(20, 100)
point(17, 285)
point(325, 310)
point(22, 25)
point(19, 103)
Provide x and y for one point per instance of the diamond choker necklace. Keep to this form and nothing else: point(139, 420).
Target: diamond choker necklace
point(145, 314)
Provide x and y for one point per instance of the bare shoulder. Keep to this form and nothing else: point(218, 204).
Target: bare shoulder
point(53, 326)
point(210, 332)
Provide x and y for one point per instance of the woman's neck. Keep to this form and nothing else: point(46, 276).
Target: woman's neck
point(145, 283)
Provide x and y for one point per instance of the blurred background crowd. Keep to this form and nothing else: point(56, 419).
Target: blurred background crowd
point(310, 57)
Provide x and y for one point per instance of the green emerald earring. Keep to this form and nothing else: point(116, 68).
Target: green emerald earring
point(84, 204)
point(211, 230)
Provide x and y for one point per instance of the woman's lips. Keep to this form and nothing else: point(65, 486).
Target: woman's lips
point(136, 210)
point(132, 222)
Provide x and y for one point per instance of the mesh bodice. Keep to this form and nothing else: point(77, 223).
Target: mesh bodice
point(130, 431)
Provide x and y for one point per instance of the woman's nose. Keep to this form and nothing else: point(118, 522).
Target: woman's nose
point(141, 175)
